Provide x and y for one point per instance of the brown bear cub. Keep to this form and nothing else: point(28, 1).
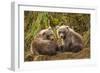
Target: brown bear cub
point(72, 41)
point(44, 43)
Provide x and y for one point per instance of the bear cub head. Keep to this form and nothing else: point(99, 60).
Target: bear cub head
point(46, 34)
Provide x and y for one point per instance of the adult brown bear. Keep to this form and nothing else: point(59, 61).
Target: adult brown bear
point(44, 43)
point(72, 41)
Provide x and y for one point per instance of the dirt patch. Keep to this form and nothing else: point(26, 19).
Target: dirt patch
point(83, 54)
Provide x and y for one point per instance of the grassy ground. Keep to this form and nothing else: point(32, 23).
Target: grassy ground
point(83, 54)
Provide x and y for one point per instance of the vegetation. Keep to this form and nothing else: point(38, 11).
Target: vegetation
point(35, 21)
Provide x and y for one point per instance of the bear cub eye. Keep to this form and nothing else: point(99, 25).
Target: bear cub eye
point(61, 32)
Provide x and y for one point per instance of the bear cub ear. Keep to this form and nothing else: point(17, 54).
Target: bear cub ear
point(67, 27)
point(57, 27)
point(49, 28)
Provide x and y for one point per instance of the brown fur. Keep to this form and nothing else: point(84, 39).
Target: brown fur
point(71, 39)
point(42, 45)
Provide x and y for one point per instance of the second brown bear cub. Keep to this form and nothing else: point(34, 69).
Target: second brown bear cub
point(72, 41)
